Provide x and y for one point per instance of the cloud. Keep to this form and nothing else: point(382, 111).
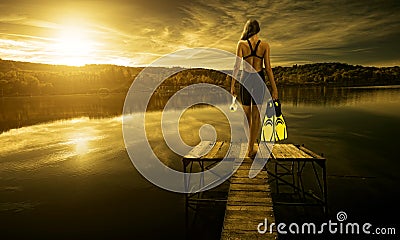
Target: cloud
point(303, 31)
point(357, 32)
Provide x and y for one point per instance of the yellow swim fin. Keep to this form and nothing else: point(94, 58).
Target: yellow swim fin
point(267, 130)
point(274, 125)
point(280, 124)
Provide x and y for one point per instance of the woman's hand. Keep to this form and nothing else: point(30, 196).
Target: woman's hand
point(274, 94)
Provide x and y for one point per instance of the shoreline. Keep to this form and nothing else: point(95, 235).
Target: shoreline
point(285, 85)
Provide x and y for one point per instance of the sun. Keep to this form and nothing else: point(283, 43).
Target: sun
point(73, 46)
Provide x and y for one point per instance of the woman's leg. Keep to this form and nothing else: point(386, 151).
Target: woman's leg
point(255, 128)
point(247, 111)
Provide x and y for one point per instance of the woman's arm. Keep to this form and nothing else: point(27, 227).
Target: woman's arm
point(268, 68)
point(236, 67)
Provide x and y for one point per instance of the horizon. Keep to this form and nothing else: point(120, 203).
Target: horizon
point(134, 34)
point(161, 66)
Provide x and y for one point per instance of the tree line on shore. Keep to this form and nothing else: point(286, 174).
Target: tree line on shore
point(30, 79)
point(338, 74)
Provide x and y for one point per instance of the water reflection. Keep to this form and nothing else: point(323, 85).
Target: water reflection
point(78, 168)
point(17, 112)
point(345, 96)
point(33, 147)
point(80, 141)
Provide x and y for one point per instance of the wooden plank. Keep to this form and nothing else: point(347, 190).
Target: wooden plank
point(297, 153)
point(248, 200)
point(248, 225)
point(264, 208)
point(283, 151)
point(246, 176)
point(279, 151)
point(233, 214)
point(249, 194)
point(243, 150)
point(222, 151)
point(201, 149)
point(247, 180)
point(250, 188)
point(237, 150)
point(264, 150)
point(213, 151)
point(244, 173)
point(249, 203)
point(244, 235)
point(288, 151)
point(248, 166)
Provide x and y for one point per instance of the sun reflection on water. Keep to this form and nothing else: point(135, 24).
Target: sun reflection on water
point(80, 140)
point(81, 145)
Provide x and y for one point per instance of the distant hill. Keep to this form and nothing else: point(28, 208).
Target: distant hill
point(339, 74)
point(24, 78)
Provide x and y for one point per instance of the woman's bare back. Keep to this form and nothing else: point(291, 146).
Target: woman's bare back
point(254, 61)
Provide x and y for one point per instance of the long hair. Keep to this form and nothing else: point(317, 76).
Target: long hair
point(250, 28)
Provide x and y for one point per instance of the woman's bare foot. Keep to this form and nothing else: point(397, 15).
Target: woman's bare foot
point(252, 154)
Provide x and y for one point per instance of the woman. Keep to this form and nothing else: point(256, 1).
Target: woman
point(256, 53)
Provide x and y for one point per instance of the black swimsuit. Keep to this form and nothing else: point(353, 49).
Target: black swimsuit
point(253, 53)
point(252, 90)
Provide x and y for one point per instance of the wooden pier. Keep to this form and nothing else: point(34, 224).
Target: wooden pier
point(249, 202)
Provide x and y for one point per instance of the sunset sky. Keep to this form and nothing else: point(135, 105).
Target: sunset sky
point(136, 32)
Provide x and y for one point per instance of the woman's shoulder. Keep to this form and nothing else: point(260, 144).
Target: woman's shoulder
point(241, 42)
point(264, 43)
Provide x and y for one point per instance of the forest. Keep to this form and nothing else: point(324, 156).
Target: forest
point(30, 79)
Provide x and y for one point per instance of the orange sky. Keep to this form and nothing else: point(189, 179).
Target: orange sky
point(137, 32)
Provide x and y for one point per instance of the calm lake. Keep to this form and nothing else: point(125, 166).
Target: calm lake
point(65, 173)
